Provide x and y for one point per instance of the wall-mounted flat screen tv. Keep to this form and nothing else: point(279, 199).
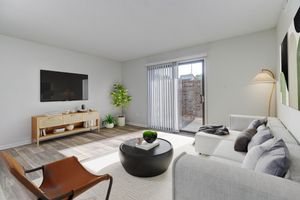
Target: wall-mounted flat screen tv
point(62, 86)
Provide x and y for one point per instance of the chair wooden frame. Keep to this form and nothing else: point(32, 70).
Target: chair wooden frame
point(42, 192)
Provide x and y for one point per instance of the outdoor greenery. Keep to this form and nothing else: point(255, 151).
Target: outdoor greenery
point(109, 119)
point(120, 97)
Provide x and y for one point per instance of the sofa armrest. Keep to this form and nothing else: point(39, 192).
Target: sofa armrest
point(241, 122)
point(197, 178)
point(206, 143)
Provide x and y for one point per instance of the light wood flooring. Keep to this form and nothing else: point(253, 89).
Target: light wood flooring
point(31, 156)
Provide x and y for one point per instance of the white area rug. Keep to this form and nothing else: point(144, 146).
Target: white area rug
point(1, 194)
point(127, 187)
point(95, 165)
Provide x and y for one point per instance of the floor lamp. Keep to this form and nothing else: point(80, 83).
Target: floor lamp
point(266, 76)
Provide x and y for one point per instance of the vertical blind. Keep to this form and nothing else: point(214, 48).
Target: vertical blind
point(162, 96)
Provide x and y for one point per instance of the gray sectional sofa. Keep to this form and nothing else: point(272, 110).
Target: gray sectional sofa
point(219, 174)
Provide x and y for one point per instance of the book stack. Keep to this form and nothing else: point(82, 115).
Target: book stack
point(147, 146)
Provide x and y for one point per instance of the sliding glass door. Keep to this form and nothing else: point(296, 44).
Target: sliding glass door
point(176, 96)
point(191, 95)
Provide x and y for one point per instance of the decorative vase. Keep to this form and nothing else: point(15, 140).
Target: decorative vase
point(121, 121)
point(150, 136)
point(109, 125)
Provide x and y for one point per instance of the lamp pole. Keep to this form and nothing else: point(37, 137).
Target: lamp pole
point(273, 88)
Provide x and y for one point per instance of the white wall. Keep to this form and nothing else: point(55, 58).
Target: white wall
point(289, 116)
point(20, 64)
point(231, 64)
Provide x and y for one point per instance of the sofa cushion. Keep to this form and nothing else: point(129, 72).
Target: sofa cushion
point(271, 157)
point(294, 170)
point(260, 137)
point(242, 141)
point(225, 161)
point(233, 135)
point(206, 143)
point(274, 121)
point(280, 131)
point(225, 150)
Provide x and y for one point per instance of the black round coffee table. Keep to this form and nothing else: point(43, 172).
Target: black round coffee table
point(146, 163)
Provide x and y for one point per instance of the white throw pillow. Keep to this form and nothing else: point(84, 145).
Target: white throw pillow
point(261, 127)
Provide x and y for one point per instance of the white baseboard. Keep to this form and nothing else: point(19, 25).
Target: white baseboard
point(15, 144)
point(137, 124)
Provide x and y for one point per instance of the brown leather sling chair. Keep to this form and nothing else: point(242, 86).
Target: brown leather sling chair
point(63, 179)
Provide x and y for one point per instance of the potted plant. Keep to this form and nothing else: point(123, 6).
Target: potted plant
point(109, 121)
point(120, 99)
point(150, 136)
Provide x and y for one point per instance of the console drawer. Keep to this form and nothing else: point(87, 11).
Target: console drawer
point(45, 122)
point(90, 116)
point(72, 118)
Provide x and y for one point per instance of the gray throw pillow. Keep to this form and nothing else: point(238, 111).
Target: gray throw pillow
point(271, 157)
point(257, 122)
point(260, 137)
point(255, 153)
point(243, 139)
point(275, 161)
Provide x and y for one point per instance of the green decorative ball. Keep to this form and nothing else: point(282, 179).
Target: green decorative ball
point(150, 136)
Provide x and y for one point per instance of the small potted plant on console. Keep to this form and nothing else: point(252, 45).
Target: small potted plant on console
point(109, 121)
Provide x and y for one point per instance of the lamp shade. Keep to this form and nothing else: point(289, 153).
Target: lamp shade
point(265, 76)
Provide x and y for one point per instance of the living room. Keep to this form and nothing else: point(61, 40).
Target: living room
point(179, 66)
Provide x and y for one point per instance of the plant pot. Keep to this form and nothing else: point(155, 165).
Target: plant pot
point(150, 136)
point(109, 125)
point(121, 121)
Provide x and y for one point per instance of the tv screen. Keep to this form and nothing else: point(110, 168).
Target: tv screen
point(62, 86)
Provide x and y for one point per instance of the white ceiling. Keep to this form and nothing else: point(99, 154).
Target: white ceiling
point(127, 29)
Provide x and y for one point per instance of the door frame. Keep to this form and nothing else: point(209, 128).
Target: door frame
point(204, 80)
